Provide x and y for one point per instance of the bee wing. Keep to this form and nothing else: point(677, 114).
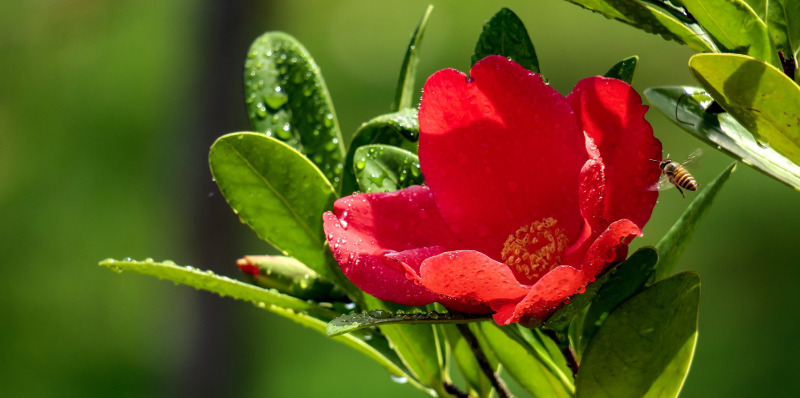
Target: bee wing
point(662, 184)
point(693, 159)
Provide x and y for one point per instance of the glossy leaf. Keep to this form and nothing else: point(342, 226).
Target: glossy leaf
point(289, 276)
point(672, 244)
point(405, 84)
point(646, 345)
point(505, 34)
point(478, 384)
point(734, 26)
point(287, 99)
point(303, 312)
point(763, 99)
point(624, 70)
point(652, 19)
point(384, 168)
point(379, 316)
point(561, 319)
point(627, 280)
point(783, 25)
point(530, 365)
point(278, 192)
point(400, 129)
point(686, 107)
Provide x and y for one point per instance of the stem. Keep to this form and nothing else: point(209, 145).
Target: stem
point(497, 383)
point(569, 356)
point(454, 391)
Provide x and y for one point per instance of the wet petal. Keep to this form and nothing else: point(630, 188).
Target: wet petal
point(545, 296)
point(610, 246)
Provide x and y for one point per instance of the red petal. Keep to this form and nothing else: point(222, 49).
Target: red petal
point(610, 246)
point(611, 115)
point(471, 276)
point(499, 151)
point(546, 295)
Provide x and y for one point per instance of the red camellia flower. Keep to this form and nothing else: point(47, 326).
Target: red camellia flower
point(528, 195)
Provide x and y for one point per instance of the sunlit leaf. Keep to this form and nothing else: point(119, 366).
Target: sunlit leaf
point(278, 192)
point(384, 168)
point(624, 70)
point(761, 97)
point(287, 99)
point(505, 34)
point(400, 129)
point(405, 84)
point(646, 345)
point(652, 19)
point(478, 384)
point(671, 245)
point(289, 276)
point(379, 317)
point(686, 107)
point(734, 26)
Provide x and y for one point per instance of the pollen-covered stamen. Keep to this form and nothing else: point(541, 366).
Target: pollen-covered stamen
point(534, 249)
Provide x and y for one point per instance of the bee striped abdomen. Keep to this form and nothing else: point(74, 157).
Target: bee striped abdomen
point(685, 180)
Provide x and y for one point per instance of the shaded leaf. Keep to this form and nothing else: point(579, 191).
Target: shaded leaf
point(289, 276)
point(763, 99)
point(378, 317)
point(400, 129)
point(287, 99)
point(384, 168)
point(646, 345)
point(672, 244)
point(478, 384)
point(652, 19)
point(686, 107)
point(505, 34)
point(624, 70)
point(783, 25)
point(405, 84)
point(278, 192)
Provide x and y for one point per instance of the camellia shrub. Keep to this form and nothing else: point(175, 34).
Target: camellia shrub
point(489, 225)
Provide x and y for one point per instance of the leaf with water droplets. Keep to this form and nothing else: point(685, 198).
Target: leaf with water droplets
point(287, 99)
point(304, 312)
point(646, 345)
point(278, 192)
point(384, 168)
point(624, 70)
point(672, 244)
point(400, 129)
point(377, 317)
point(405, 84)
point(289, 276)
point(505, 34)
point(686, 106)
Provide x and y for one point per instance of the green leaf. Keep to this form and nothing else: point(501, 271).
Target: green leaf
point(505, 34)
point(384, 168)
point(287, 99)
point(560, 320)
point(400, 129)
point(783, 25)
point(686, 107)
point(624, 70)
point(734, 26)
point(477, 382)
point(304, 312)
point(672, 244)
point(763, 99)
point(405, 84)
point(646, 345)
point(530, 365)
point(289, 276)
point(652, 19)
point(278, 192)
point(627, 280)
point(380, 316)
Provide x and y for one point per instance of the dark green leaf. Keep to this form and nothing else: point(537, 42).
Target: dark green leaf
point(783, 24)
point(384, 168)
point(277, 192)
point(505, 34)
point(304, 312)
point(405, 84)
point(626, 281)
point(734, 26)
point(645, 346)
point(624, 70)
point(686, 107)
point(287, 99)
point(289, 276)
point(477, 382)
point(379, 317)
point(671, 245)
point(561, 319)
point(761, 97)
point(652, 19)
point(399, 129)
point(530, 365)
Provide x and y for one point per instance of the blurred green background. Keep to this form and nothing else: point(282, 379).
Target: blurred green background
point(107, 110)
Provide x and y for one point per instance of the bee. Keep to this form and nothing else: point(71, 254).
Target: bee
point(676, 175)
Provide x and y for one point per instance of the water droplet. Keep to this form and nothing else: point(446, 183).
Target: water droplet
point(380, 314)
point(762, 144)
point(399, 379)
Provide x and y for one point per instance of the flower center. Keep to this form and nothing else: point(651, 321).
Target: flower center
point(535, 249)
